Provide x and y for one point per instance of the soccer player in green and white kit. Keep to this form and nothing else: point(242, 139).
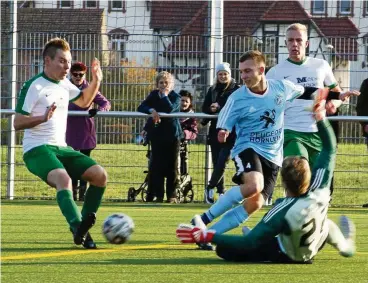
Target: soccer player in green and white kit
point(301, 134)
point(42, 111)
point(297, 227)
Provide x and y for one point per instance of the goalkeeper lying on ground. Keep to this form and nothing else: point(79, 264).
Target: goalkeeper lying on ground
point(297, 227)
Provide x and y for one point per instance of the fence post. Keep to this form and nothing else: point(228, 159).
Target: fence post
point(13, 77)
point(207, 162)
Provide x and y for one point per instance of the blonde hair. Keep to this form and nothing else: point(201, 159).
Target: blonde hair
point(217, 82)
point(53, 45)
point(167, 76)
point(298, 27)
point(296, 175)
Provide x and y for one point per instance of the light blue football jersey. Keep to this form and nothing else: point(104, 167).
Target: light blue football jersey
point(259, 119)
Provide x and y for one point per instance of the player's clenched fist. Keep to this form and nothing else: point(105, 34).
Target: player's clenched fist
point(222, 136)
point(187, 234)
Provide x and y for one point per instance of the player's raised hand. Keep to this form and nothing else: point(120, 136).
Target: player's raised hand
point(187, 234)
point(346, 95)
point(222, 136)
point(96, 70)
point(49, 112)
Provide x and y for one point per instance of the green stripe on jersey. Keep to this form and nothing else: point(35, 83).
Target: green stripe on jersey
point(77, 97)
point(332, 86)
point(22, 94)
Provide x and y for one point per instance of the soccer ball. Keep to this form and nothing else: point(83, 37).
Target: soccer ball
point(117, 228)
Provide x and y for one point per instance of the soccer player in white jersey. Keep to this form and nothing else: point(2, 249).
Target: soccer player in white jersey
point(296, 228)
point(257, 112)
point(42, 111)
point(301, 137)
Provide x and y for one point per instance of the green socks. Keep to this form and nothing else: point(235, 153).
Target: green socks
point(68, 207)
point(92, 200)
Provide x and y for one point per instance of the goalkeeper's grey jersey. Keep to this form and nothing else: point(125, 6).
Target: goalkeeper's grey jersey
point(299, 222)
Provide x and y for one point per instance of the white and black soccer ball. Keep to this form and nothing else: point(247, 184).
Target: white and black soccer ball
point(117, 228)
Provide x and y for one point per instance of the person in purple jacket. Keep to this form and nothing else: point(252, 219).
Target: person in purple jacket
point(81, 131)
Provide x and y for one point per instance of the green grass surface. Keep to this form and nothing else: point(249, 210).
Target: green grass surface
point(37, 247)
point(125, 164)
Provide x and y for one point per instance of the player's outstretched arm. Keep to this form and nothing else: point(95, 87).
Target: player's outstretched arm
point(262, 233)
point(324, 166)
point(325, 130)
point(229, 115)
point(89, 93)
point(22, 122)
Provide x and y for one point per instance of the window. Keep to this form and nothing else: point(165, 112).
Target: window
point(345, 7)
point(118, 39)
point(270, 48)
point(117, 6)
point(319, 7)
point(365, 8)
point(65, 4)
point(119, 45)
point(90, 4)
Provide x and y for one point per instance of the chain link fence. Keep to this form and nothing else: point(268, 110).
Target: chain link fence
point(129, 66)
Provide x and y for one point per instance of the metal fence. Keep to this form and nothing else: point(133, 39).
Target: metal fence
point(124, 158)
point(129, 72)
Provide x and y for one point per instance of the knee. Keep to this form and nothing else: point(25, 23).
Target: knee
point(96, 175)
point(59, 179)
point(252, 184)
point(250, 189)
point(253, 204)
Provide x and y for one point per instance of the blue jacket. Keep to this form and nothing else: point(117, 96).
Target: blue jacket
point(168, 129)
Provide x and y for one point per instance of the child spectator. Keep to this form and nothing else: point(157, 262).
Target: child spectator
point(188, 125)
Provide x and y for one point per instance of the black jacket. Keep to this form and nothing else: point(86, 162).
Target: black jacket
point(219, 95)
point(168, 129)
point(362, 103)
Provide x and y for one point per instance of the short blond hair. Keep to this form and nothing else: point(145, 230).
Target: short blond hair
point(298, 27)
point(254, 55)
point(296, 175)
point(53, 45)
point(167, 76)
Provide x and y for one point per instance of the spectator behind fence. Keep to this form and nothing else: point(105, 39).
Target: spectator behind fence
point(42, 112)
point(188, 125)
point(362, 110)
point(214, 101)
point(80, 131)
point(164, 135)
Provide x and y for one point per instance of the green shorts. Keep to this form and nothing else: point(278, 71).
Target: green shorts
point(45, 158)
point(308, 145)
